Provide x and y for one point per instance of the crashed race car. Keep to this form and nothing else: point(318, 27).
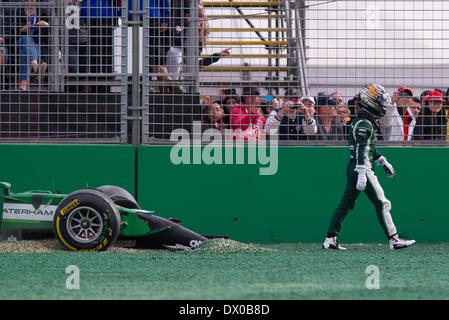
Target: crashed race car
point(92, 219)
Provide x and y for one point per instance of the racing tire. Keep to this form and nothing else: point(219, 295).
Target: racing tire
point(87, 220)
point(120, 196)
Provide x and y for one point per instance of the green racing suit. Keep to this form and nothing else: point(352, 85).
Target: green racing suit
point(362, 152)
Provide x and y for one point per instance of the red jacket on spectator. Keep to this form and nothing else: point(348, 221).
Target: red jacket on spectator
point(246, 124)
point(242, 118)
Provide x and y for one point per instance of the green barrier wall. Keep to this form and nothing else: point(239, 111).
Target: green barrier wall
point(66, 168)
point(295, 204)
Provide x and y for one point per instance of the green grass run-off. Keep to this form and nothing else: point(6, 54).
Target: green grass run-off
point(288, 271)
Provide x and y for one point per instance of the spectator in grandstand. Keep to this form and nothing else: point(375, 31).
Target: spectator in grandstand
point(229, 103)
point(213, 117)
point(432, 125)
point(403, 96)
point(410, 116)
point(179, 14)
point(159, 14)
point(294, 120)
point(392, 124)
point(224, 93)
point(328, 126)
point(269, 103)
point(78, 44)
point(167, 40)
point(208, 60)
point(408, 111)
point(290, 94)
point(33, 30)
point(338, 98)
point(102, 17)
point(273, 105)
point(442, 92)
point(159, 33)
point(423, 97)
point(176, 39)
point(247, 117)
point(203, 35)
point(206, 100)
point(344, 117)
point(309, 102)
point(343, 114)
point(344, 110)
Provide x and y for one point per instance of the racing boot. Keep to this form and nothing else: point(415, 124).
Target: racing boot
point(332, 244)
point(397, 243)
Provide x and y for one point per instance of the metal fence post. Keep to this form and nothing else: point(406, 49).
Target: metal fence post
point(145, 76)
point(192, 48)
point(124, 71)
point(136, 108)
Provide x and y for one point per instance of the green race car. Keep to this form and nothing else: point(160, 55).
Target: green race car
point(91, 219)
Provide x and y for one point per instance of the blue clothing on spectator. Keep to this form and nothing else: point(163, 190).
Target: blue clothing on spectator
point(158, 9)
point(28, 51)
point(99, 9)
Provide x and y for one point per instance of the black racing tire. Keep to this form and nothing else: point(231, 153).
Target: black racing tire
point(120, 196)
point(88, 220)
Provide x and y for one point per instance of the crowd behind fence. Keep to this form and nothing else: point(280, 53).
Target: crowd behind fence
point(61, 71)
point(245, 68)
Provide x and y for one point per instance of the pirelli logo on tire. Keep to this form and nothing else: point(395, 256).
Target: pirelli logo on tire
point(72, 205)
